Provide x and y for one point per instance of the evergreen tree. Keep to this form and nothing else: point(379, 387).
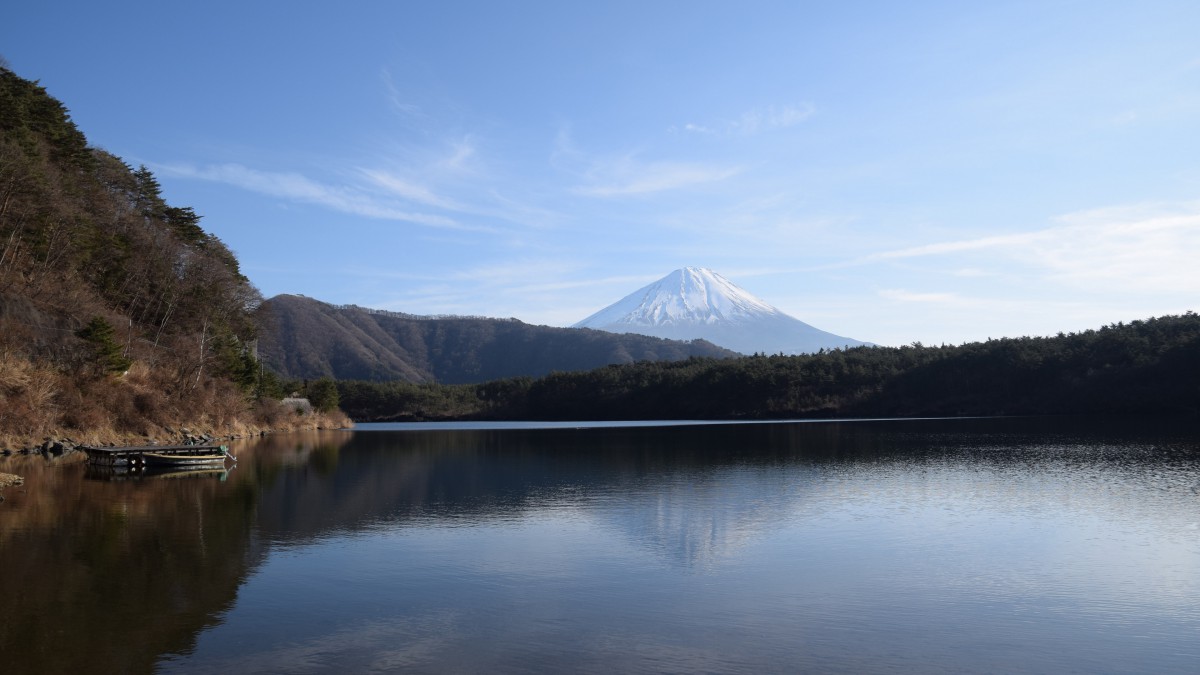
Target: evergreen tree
point(105, 350)
point(323, 394)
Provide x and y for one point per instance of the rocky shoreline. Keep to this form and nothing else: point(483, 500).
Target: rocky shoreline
point(50, 449)
point(56, 447)
point(65, 447)
point(69, 450)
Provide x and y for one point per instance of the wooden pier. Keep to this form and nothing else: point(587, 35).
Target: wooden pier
point(137, 455)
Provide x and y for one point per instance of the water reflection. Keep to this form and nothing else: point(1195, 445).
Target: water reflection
point(102, 576)
point(648, 548)
point(688, 494)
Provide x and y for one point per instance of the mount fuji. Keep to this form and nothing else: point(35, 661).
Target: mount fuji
point(695, 302)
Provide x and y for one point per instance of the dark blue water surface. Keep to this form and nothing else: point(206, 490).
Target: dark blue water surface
point(873, 546)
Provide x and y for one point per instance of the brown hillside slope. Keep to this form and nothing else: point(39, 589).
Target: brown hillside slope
point(305, 338)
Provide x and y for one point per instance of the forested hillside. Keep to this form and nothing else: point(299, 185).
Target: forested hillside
point(304, 338)
point(1150, 366)
point(119, 315)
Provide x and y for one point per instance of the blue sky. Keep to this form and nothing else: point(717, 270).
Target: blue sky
point(889, 171)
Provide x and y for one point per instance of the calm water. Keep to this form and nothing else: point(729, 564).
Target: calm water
point(915, 546)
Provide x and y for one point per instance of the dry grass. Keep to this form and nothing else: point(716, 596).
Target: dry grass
point(28, 396)
point(39, 403)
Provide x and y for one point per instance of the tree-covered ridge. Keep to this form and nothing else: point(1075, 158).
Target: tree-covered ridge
point(1150, 366)
point(75, 216)
point(306, 338)
point(119, 313)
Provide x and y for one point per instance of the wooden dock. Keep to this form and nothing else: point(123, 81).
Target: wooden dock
point(135, 455)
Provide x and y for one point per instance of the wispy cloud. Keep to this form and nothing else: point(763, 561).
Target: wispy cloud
point(408, 190)
point(630, 178)
point(627, 174)
point(1152, 247)
point(462, 151)
point(947, 247)
point(564, 151)
point(396, 98)
point(507, 274)
point(347, 199)
point(773, 117)
point(528, 214)
point(487, 202)
point(1138, 248)
point(756, 121)
point(545, 290)
point(532, 275)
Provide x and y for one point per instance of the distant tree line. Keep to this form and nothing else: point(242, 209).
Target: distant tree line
point(1150, 366)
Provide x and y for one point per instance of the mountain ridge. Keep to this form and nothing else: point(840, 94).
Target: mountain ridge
point(306, 338)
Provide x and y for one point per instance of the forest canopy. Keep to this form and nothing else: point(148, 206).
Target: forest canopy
point(1150, 366)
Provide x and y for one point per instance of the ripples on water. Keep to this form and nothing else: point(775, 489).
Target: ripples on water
point(935, 546)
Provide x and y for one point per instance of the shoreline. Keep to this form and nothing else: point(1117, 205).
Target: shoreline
point(58, 443)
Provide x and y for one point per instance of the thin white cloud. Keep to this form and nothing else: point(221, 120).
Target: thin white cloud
point(773, 117)
point(622, 284)
point(564, 152)
point(538, 290)
point(395, 98)
point(1148, 248)
point(527, 215)
point(400, 187)
point(529, 276)
point(628, 178)
point(462, 151)
point(508, 273)
point(1128, 249)
point(294, 186)
point(757, 120)
point(628, 175)
point(487, 202)
point(946, 247)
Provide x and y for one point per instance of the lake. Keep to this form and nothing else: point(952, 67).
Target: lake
point(956, 546)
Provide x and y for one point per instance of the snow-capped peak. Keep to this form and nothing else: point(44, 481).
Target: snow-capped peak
point(695, 302)
point(691, 295)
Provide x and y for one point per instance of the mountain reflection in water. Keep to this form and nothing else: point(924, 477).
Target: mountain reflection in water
point(917, 545)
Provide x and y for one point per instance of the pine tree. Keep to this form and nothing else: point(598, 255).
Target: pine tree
point(106, 352)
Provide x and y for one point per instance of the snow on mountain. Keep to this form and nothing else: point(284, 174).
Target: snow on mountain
point(695, 302)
